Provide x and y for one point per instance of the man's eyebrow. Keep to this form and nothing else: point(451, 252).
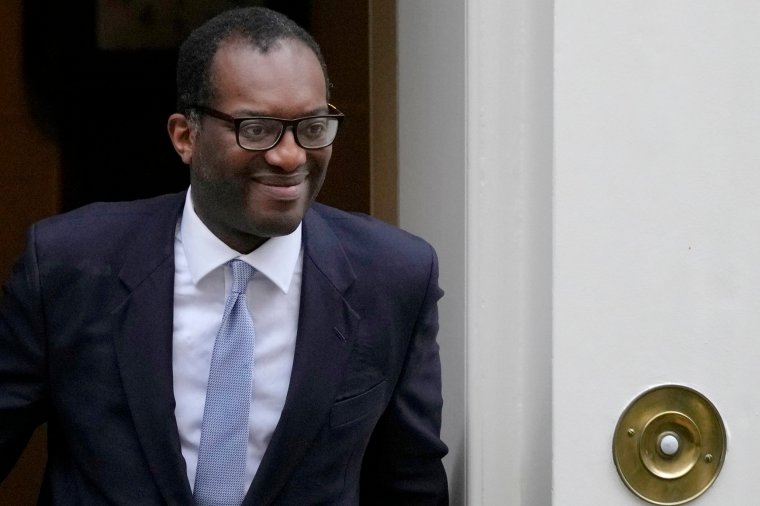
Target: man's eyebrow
point(250, 113)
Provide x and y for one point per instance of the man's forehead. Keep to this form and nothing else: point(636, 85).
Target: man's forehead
point(240, 42)
point(235, 47)
point(244, 73)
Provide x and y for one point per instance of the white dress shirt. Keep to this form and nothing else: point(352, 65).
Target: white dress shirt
point(201, 284)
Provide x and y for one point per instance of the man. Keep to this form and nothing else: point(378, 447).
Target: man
point(121, 325)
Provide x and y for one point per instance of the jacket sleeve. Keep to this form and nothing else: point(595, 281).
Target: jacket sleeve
point(22, 359)
point(402, 464)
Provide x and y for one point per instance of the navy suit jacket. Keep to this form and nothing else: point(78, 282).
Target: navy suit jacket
point(86, 346)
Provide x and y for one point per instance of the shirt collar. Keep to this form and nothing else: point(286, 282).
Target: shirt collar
point(276, 258)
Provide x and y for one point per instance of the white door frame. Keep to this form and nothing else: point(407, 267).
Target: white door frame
point(475, 179)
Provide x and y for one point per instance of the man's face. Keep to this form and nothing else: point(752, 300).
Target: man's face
point(245, 197)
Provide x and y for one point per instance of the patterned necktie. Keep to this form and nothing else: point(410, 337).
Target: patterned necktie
point(220, 476)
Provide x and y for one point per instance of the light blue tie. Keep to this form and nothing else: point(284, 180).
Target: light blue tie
point(220, 476)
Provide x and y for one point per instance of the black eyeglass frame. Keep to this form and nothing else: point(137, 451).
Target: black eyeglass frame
point(286, 123)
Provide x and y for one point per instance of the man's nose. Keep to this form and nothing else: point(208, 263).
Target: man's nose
point(286, 154)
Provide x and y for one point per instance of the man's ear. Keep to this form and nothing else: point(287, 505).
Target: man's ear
point(182, 136)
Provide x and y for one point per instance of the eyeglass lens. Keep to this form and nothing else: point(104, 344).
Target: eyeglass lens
point(263, 133)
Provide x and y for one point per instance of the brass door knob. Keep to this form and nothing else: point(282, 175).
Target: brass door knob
point(669, 445)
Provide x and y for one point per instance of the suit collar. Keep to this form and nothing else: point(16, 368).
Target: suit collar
point(326, 330)
point(153, 240)
point(325, 251)
point(143, 340)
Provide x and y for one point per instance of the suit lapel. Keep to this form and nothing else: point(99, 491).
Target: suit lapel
point(143, 339)
point(325, 336)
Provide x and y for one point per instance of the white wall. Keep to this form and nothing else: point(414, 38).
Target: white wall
point(657, 221)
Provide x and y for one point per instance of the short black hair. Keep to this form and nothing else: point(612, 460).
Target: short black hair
point(261, 27)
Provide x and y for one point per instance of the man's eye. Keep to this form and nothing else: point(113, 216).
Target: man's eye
point(314, 129)
point(254, 130)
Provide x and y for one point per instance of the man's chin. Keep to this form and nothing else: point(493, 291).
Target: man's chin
point(278, 218)
point(277, 225)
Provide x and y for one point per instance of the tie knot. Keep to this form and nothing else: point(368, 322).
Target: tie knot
point(241, 274)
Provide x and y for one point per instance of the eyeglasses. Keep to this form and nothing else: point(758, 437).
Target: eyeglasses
point(260, 133)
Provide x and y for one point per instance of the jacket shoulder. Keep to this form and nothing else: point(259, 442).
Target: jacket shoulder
point(110, 219)
point(373, 244)
point(107, 228)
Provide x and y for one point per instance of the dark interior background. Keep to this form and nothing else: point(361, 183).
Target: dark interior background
point(99, 76)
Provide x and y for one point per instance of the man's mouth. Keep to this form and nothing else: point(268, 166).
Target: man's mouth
point(281, 186)
point(291, 179)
